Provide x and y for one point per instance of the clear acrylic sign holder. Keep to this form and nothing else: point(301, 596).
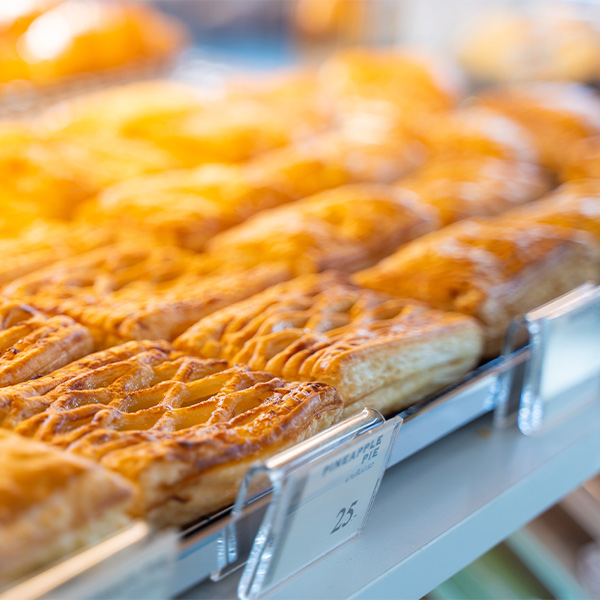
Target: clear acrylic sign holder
point(562, 370)
point(321, 494)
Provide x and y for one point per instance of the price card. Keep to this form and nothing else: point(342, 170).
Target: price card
point(319, 501)
point(562, 371)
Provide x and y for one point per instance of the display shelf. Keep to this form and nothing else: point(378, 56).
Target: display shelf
point(441, 509)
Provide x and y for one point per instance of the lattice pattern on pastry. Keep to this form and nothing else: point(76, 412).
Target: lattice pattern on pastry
point(162, 418)
point(322, 328)
point(33, 344)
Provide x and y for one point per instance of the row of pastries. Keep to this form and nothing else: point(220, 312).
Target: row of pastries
point(300, 248)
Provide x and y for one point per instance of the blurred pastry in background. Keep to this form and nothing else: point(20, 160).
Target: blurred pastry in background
point(581, 159)
point(550, 44)
point(557, 115)
point(390, 82)
point(480, 186)
point(74, 37)
point(347, 228)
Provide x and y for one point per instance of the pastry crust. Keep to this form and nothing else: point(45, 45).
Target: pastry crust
point(140, 291)
point(52, 503)
point(556, 114)
point(581, 160)
point(575, 205)
point(202, 202)
point(461, 188)
point(322, 328)
point(476, 132)
point(346, 228)
point(495, 270)
point(33, 344)
point(182, 429)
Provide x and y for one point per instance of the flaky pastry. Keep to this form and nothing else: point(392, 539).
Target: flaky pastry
point(346, 228)
point(378, 351)
point(52, 503)
point(33, 344)
point(140, 291)
point(201, 202)
point(465, 187)
point(575, 205)
point(495, 270)
point(556, 115)
point(182, 429)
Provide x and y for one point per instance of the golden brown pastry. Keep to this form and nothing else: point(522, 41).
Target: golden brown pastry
point(139, 291)
point(95, 36)
point(556, 114)
point(182, 429)
point(553, 44)
point(465, 187)
point(575, 205)
point(476, 132)
point(388, 81)
point(120, 110)
point(495, 270)
point(52, 503)
point(54, 175)
point(581, 160)
point(346, 228)
point(186, 207)
point(46, 242)
point(378, 351)
point(33, 344)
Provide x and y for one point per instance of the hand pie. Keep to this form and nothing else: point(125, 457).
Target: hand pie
point(495, 270)
point(463, 187)
point(378, 351)
point(476, 132)
point(119, 110)
point(95, 36)
point(182, 429)
point(32, 344)
point(140, 291)
point(556, 114)
point(52, 503)
point(575, 205)
point(346, 228)
point(388, 82)
point(47, 242)
point(201, 203)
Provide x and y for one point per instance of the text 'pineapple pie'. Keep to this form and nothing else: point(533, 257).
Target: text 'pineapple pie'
point(33, 344)
point(346, 228)
point(464, 187)
point(52, 503)
point(495, 270)
point(138, 290)
point(378, 351)
point(182, 429)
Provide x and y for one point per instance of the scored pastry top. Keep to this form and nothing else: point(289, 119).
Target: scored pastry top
point(163, 419)
point(323, 328)
point(346, 228)
point(33, 344)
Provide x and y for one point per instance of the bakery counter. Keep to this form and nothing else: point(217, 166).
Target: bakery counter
point(440, 509)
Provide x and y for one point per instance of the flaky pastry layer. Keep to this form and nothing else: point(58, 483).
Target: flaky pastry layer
point(495, 270)
point(322, 328)
point(170, 423)
point(33, 344)
point(52, 503)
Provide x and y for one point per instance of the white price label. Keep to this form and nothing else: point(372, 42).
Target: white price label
point(321, 505)
point(334, 503)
